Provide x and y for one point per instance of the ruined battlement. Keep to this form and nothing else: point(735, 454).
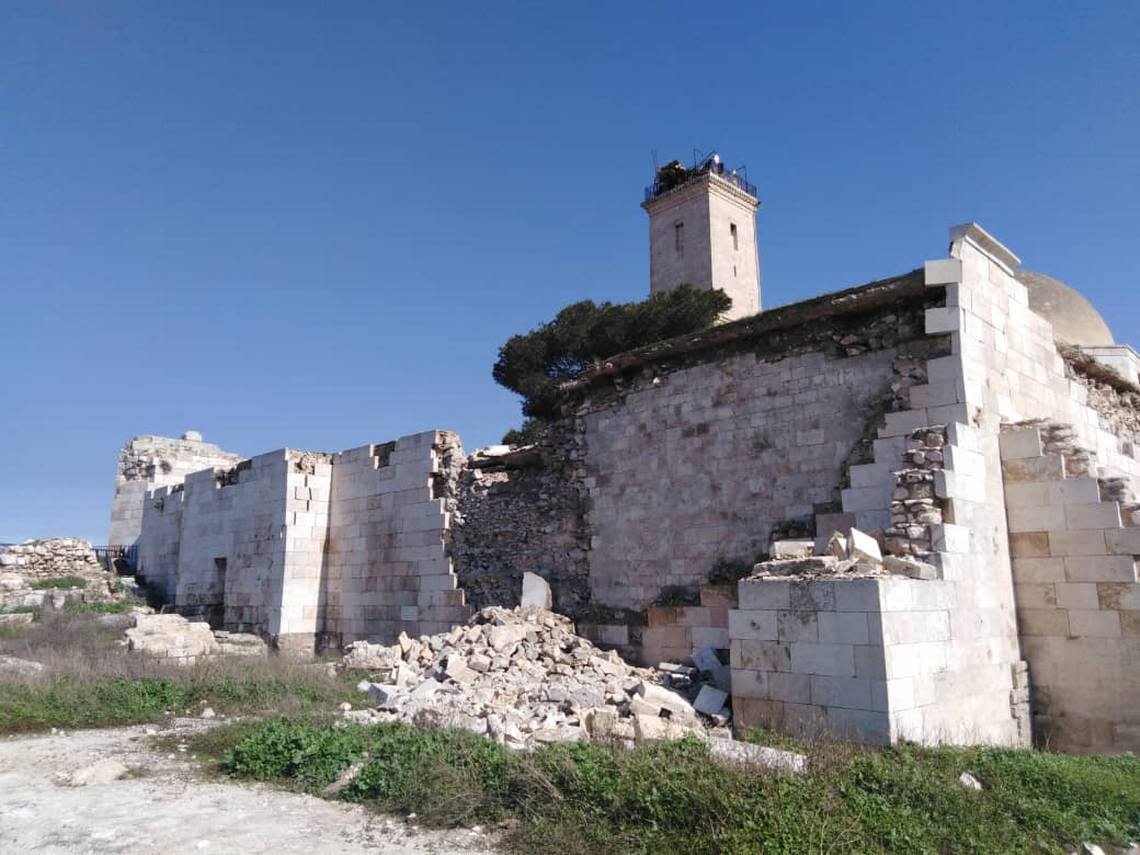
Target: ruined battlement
point(884, 408)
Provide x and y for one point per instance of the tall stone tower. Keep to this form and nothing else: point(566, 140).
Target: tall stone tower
point(702, 230)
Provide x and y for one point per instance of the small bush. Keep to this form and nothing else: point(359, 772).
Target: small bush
point(59, 582)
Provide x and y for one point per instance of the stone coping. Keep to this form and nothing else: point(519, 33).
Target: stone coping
point(879, 294)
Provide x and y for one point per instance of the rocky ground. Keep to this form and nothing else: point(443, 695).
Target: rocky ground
point(59, 794)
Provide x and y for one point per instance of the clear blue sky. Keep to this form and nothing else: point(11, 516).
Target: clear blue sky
point(312, 224)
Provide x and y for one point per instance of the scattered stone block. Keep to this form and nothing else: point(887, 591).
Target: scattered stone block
point(101, 772)
point(862, 547)
point(912, 568)
point(710, 700)
point(970, 782)
point(747, 754)
point(793, 549)
point(836, 546)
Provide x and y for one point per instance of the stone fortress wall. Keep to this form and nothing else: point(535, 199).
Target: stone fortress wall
point(148, 462)
point(886, 408)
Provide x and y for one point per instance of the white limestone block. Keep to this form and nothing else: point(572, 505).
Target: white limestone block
point(943, 271)
point(536, 592)
point(863, 547)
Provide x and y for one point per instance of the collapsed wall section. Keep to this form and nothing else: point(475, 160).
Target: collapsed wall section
point(517, 511)
point(387, 566)
point(232, 546)
point(149, 462)
point(694, 460)
point(160, 541)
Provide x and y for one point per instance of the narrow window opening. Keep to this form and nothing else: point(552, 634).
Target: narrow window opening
point(734, 271)
point(679, 238)
point(735, 241)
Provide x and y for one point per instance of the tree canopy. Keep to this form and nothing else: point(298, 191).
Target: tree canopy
point(584, 334)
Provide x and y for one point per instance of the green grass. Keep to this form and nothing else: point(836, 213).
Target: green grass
point(17, 610)
point(90, 680)
point(59, 582)
point(591, 798)
point(250, 687)
point(103, 607)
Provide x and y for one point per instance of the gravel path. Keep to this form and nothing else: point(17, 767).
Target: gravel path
point(164, 805)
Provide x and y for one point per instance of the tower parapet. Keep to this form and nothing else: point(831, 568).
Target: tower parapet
point(702, 231)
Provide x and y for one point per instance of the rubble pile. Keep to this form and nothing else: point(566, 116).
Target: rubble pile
point(522, 677)
point(58, 556)
point(28, 569)
point(851, 555)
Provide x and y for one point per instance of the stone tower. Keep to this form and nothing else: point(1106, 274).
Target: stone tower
point(702, 230)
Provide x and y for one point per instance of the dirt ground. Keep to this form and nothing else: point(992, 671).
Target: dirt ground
point(164, 804)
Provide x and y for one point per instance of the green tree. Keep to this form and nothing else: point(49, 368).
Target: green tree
point(586, 333)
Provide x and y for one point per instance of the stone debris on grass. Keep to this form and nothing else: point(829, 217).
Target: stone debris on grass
point(100, 772)
point(173, 637)
point(523, 678)
point(13, 665)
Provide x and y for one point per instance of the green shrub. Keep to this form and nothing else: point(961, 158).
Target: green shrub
point(59, 582)
point(585, 333)
point(17, 610)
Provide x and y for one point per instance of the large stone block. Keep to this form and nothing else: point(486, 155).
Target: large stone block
point(754, 625)
point(837, 660)
point(1100, 568)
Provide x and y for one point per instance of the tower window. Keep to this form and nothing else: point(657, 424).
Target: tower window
point(735, 241)
point(679, 238)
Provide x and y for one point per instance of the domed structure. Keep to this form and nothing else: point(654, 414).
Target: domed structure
point(1074, 319)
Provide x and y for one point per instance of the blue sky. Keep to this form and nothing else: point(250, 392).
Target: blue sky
point(313, 224)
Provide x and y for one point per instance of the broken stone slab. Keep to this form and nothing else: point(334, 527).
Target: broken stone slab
point(383, 694)
point(364, 656)
point(661, 697)
point(816, 565)
point(710, 700)
point(501, 637)
point(707, 661)
point(17, 617)
point(536, 592)
point(651, 728)
point(640, 706)
point(912, 568)
point(101, 772)
point(171, 636)
point(426, 689)
point(458, 671)
point(836, 546)
point(746, 754)
point(601, 722)
point(969, 781)
point(784, 549)
point(862, 547)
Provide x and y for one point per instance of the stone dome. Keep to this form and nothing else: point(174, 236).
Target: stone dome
point(1074, 319)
